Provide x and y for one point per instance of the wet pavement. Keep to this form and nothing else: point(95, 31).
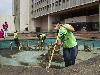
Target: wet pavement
point(19, 58)
point(30, 62)
point(34, 62)
point(39, 57)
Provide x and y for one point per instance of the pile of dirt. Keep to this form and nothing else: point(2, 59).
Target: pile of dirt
point(89, 67)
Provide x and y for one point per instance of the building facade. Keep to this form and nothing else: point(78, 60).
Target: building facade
point(41, 15)
point(21, 13)
point(79, 13)
point(16, 13)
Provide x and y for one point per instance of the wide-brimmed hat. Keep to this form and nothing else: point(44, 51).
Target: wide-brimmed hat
point(69, 27)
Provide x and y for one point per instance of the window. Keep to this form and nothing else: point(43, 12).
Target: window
point(39, 2)
point(63, 1)
point(59, 2)
point(45, 7)
point(32, 0)
point(56, 3)
point(52, 4)
point(37, 10)
point(32, 12)
point(47, 1)
point(32, 6)
point(41, 9)
point(35, 4)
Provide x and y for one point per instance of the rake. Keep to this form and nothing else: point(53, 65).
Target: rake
point(49, 64)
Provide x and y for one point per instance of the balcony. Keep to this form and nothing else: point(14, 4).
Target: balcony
point(63, 4)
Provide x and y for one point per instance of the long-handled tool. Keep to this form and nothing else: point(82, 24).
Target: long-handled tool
point(51, 57)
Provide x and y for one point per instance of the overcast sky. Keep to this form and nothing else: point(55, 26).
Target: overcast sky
point(5, 7)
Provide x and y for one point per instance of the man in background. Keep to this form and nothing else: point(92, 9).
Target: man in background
point(5, 28)
point(1, 33)
point(41, 38)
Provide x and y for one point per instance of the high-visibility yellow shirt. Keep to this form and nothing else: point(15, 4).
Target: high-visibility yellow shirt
point(15, 35)
point(67, 37)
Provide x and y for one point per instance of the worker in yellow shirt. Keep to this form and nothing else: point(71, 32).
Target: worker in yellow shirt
point(16, 40)
point(67, 39)
point(41, 38)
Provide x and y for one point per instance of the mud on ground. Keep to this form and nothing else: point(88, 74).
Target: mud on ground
point(88, 67)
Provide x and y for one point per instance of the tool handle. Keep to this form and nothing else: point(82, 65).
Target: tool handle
point(51, 57)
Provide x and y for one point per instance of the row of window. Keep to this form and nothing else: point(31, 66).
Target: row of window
point(43, 8)
point(57, 3)
point(38, 2)
point(41, 1)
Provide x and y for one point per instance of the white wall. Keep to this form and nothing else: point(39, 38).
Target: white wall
point(51, 19)
point(93, 18)
point(44, 25)
point(24, 14)
point(32, 26)
point(13, 7)
point(76, 19)
point(10, 21)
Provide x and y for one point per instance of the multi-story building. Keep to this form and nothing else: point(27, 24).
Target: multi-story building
point(79, 13)
point(41, 15)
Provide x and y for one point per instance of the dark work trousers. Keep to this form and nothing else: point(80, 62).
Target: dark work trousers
point(16, 41)
point(69, 55)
